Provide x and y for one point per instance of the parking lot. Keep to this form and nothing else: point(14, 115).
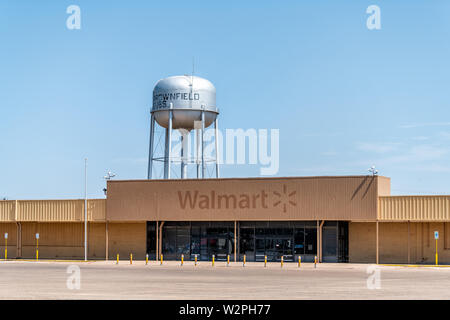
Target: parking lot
point(107, 280)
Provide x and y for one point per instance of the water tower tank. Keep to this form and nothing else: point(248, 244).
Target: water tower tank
point(187, 96)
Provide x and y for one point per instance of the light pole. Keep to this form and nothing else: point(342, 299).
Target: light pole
point(85, 209)
point(109, 176)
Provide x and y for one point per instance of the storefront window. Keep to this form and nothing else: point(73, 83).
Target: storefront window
point(256, 240)
point(151, 239)
point(169, 242)
point(310, 240)
point(299, 241)
point(183, 241)
point(247, 243)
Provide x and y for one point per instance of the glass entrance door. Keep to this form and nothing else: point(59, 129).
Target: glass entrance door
point(330, 242)
point(206, 242)
point(274, 248)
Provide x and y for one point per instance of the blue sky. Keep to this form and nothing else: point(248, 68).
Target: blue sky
point(344, 97)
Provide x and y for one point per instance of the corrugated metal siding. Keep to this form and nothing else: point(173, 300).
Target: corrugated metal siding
point(414, 208)
point(52, 210)
point(53, 234)
point(96, 210)
point(7, 211)
point(11, 229)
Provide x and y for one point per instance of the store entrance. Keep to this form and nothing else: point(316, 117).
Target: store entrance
point(211, 239)
point(274, 249)
point(255, 240)
point(217, 242)
point(335, 241)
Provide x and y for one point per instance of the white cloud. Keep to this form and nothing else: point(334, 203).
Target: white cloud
point(322, 134)
point(329, 153)
point(427, 152)
point(420, 138)
point(415, 155)
point(445, 135)
point(378, 147)
point(134, 161)
point(433, 168)
point(425, 124)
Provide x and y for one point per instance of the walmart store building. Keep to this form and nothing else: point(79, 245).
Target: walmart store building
point(337, 219)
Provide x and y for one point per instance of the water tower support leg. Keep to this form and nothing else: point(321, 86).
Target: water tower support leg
point(203, 145)
point(169, 158)
point(216, 133)
point(150, 153)
point(166, 154)
point(184, 154)
point(168, 147)
point(198, 151)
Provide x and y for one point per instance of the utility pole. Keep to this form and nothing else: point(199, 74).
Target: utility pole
point(85, 209)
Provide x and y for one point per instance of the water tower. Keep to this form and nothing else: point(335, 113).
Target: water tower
point(187, 104)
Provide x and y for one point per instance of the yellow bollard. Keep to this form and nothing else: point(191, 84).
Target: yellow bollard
point(228, 260)
point(117, 259)
point(37, 249)
point(213, 258)
point(161, 261)
point(244, 261)
point(195, 260)
point(131, 258)
point(315, 261)
point(182, 259)
point(299, 261)
point(282, 261)
point(436, 252)
point(265, 261)
point(146, 259)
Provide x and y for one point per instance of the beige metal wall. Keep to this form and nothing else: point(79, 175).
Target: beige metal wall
point(414, 208)
point(11, 229)
point(126, 238)
point(60, 224)
point(52, 210)
point(7, 210)
point(361, 242)
point(384, 186)
point(65, 240)
point(62, 240)
point(302, 198)
point(399, 242)
point(359, 199)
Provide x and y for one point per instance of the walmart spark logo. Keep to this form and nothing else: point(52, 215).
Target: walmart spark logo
point(284, 198)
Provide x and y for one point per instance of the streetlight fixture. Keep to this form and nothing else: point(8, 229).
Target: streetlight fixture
point(109, 176)
point(373, 171)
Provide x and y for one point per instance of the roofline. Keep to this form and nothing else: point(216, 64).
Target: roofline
point(245, 178)
point(416, 196)
point(66, 199)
